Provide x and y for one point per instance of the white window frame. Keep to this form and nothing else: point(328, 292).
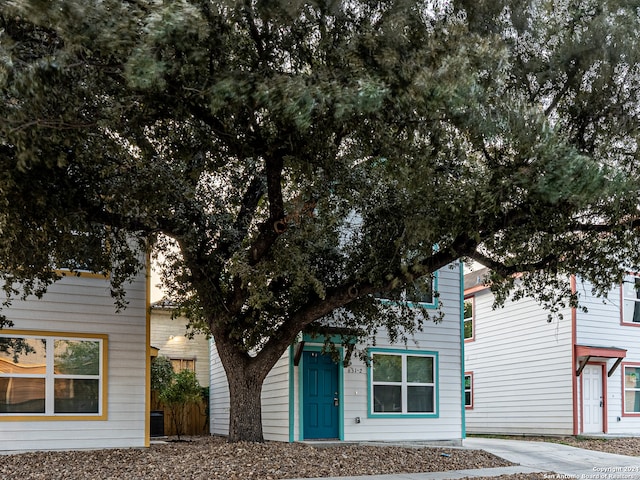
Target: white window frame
point(471, 319)
point(50, 376)
point(403, 384)
point(469, 390)
point(630, 299)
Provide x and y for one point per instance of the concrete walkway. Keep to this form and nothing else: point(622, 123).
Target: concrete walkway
point(559, 461)
point(569, 461)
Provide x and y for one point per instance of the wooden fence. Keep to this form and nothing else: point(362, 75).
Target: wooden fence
point(196, 419)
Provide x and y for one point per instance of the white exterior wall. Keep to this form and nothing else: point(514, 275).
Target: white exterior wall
point(218, 394)
point(84, 305)
point(275, 401)
point(443, 338)
point(522, 369)
point(601, 326)
point(282, 386)
point(196, 348)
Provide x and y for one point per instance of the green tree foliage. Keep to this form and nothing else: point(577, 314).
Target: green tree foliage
point(161, 373)
point(182, 391)
point(290, 159)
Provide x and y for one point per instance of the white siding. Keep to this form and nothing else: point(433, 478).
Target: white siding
point(275, 401)
point(443, 338)
point(84, 305)
point(218, 394)
point(163, 327)
point(521, 365)
point(601, 327)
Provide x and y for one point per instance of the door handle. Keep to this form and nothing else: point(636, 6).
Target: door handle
point(336, 402)
point(601, 403)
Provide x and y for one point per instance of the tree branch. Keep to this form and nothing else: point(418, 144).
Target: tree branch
point(250, 201)
point(253, 29)
point(270, 229)
point(508, 270)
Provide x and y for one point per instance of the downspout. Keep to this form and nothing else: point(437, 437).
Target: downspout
point(292, 410)
point(147, 383)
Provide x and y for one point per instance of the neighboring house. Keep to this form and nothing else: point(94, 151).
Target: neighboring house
point(412, 392)
point(528, 374)
point(168, 335)
point(73, 372)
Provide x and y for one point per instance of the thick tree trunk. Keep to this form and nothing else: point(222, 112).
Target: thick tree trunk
point(245, 376)
point(245, 416)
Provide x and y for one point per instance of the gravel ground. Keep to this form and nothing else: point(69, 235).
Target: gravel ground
point(213, 458)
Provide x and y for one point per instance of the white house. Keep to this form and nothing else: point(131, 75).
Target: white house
point(409, 393)
point(526, 374)
point(73, 372)
point(168, 335)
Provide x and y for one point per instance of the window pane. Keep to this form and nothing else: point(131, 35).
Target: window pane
point(631, 287)
point(631, 300)
point(632, 401)
point(176, 364)
point(420, 399)
point(387, 398)
point(422, 291)
point(387, 368)
point(631, 311)
point(632, 377)
point(74, 395)
point(467, 399)
point(73, 357)
point(468, 328)
point(467, 382)
point(180, 364)
point(22, 395)
point(419, 370)
point(468, 308)
point(22, 355)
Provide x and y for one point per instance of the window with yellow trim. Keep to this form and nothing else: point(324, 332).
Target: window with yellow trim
point(51, 375)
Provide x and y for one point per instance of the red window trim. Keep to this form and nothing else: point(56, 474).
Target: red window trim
point(623, 365)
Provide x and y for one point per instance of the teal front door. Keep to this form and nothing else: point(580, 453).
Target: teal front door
point(319, 396)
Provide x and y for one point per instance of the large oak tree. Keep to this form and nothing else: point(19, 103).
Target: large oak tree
point(290, 159)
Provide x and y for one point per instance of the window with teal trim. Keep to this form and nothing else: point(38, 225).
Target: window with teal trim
point(403, 384)
point(422, 292)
